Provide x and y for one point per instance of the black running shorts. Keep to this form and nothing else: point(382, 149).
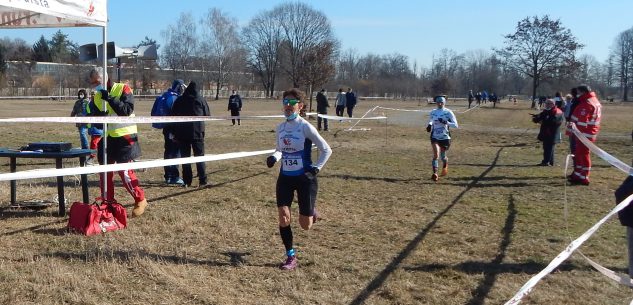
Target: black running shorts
point(442, 143)
point(306, 192)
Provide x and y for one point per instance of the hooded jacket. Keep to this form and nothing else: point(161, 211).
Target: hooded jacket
point(587, 114)
point(189, 104)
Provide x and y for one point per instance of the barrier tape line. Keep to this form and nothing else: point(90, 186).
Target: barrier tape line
point(601, 153)
point(469, 109)
point(527, 287)
point(55, 172)
point(619, 278)
point(406, 110)
point(134, 120)
point(364, 115)
point(340, 118)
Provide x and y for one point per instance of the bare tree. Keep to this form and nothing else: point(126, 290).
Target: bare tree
point(539, 47)
point(180, 44)
point(221, 47)
point(262, 38)
point(304, 29)
point(347, 66)
point(317, 67)
point(623, 55)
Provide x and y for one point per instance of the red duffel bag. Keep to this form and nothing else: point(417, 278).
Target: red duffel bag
point(91, 219)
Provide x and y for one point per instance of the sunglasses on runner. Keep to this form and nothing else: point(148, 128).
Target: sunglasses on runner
point(290, 102)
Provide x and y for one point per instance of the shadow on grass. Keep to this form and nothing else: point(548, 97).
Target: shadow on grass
point(535, 165)
point(479, 294)
point(496, 178)
point(380, 279)
point(475, 267)
point(234, 259)
point(196, 189)
point(35, 228)
point(367, 178)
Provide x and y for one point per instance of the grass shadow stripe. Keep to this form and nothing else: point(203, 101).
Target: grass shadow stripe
point(380, 279)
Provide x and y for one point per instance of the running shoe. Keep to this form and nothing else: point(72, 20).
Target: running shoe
point(176, 181)
point(444, 171)
point(434, 177)
point(290, 263)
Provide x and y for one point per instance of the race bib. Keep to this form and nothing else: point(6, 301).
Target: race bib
point(438, 131)
point(292, 163)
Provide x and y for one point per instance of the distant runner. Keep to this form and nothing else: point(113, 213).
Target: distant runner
point(440, 121)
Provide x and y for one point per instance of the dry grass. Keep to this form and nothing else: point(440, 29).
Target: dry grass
point(390, 235)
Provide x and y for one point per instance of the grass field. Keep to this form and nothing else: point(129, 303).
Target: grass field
point(389, 234)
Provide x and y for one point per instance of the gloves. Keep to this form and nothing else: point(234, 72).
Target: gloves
point(270, 161)
point(104, 94)
point(312, 172)
point(428, 128)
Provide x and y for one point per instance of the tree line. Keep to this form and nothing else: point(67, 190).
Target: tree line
point(294, 44)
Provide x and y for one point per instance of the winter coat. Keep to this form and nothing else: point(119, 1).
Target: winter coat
point(322, 103)
point(550, 125)
point(189, 104)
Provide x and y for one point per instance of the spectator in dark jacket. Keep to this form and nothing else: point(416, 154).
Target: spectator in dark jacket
point(626, 215)
point(550, 118)
point(350, 101)
point(79, 109)
point(190, 135)
point(235, 106)
point(322, 105)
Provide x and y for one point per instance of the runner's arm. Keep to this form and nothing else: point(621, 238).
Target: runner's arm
point(324, 149)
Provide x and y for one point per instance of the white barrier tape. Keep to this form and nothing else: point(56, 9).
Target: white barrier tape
point(134, 120)
point(469, 109)
point(527, 287)
point(364, 115)
point(341, 118)
point(407, 110)
point(601, 153)
point(619, 278)
point(54, 172)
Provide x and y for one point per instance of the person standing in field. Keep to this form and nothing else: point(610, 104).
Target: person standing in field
point(298, 173)
point(190, 135)
point(440, 121)
point(586, 116)
point(123, 145)
point(471, 97)
point(322, 106)
point(94, 130)
point(350, 101)
point(79, 110)
point(340, 102)
point(550, 119)
point(235, 106)
point(162, 107)
point(626, 215)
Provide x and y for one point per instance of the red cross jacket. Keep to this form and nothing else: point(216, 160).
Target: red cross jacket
point(587, 115)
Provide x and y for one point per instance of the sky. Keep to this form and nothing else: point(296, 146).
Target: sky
point(418, 29)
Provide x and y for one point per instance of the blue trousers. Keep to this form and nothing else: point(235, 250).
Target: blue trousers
point(171, 152)
point(83, 137)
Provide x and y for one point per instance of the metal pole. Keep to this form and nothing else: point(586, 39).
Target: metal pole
point(104, 83)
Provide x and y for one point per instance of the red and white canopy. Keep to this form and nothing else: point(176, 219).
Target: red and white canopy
point(52, 13)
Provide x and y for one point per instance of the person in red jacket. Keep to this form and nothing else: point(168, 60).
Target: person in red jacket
point(586, 116)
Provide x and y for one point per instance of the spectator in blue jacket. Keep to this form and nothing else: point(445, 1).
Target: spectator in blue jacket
point(162, 107)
